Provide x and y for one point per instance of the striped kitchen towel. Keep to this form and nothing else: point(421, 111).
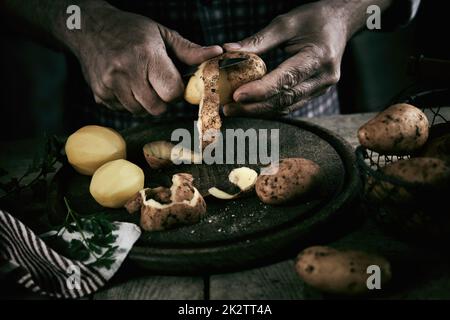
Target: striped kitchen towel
point(42, 270)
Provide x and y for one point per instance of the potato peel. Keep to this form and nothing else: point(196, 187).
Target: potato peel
point(159, 211)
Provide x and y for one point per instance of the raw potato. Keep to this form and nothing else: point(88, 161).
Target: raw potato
point(162, 154)
point(210, 87)
point(229, 79)
point(430, 172)
point(209, 122)
point(163, 208)
point(295, 177)
point(401, 129)
point(438, 147)
point(92, 146)
point(339, 272)
point(243, 179)
point(114, 183)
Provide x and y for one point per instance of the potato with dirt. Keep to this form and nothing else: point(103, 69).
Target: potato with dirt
point(401, 129)
point(430, 173)
point(438, 148)
point(340, 272)
point(288, 180)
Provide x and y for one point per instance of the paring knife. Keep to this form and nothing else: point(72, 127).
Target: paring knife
point(225, 63)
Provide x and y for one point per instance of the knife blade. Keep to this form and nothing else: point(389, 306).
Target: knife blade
point(223, 64)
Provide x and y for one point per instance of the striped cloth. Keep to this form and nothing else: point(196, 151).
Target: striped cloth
point(37, 267)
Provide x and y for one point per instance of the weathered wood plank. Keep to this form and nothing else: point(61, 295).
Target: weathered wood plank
point(275, 282)
point(154, 288)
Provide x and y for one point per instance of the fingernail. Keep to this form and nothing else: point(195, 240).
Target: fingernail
point(232, 46)
point(242, 97)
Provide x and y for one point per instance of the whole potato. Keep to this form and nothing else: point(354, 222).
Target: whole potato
point(339, 272)
point(92, 146)
point(401, 129)
point(230, 78)
point(290, 179)
point(430, 172)
point(438, 147)
point(116, 182)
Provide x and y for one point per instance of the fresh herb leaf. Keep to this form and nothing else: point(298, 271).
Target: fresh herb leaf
point(97, 238)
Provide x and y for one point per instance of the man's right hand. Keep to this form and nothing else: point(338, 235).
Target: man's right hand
point(124, 59)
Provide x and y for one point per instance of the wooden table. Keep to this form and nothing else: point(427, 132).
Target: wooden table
point(422, 273)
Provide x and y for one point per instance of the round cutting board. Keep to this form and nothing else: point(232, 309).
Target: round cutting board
point(237, 233)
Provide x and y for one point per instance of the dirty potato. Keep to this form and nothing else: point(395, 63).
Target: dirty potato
point(427, 172)
point(339, 272)
point(399, 130)
point(287, 180)
point(438, 147)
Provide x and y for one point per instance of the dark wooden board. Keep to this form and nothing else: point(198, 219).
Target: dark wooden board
point(238, 233)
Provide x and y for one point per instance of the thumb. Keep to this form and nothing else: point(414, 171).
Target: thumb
point(266, 39)
point(187, 51)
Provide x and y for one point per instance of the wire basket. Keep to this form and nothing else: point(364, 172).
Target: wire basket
point(413, 211)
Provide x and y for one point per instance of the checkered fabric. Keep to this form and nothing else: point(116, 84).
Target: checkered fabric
point(208, 22)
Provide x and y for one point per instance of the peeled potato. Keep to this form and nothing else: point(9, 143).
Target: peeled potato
point(92, 146)
point(115, 182)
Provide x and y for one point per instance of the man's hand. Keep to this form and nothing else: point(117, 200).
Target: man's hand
point(316, 34)
point(124, 59)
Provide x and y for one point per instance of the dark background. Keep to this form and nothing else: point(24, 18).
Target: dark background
point(35, 82)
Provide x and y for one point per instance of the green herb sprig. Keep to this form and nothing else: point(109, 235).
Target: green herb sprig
point(97, 238)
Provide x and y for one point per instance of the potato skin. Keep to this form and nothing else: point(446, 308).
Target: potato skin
point(339, 272)
point(438, 148)
point(229, 79)
point(163, 208)
point(154, 219)
point(252, 69)
point(431, 172)
point(399, 130)
point(296, 177)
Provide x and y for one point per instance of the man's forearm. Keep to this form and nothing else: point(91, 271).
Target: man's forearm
point(47, 18)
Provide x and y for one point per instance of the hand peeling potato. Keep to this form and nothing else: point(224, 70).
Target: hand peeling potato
point(210, 87)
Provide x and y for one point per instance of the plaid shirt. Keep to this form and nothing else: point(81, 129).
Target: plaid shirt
point(208, 22)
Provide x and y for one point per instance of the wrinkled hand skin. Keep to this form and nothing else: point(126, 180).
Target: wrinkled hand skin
point(316, 35)
point(125, 61)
